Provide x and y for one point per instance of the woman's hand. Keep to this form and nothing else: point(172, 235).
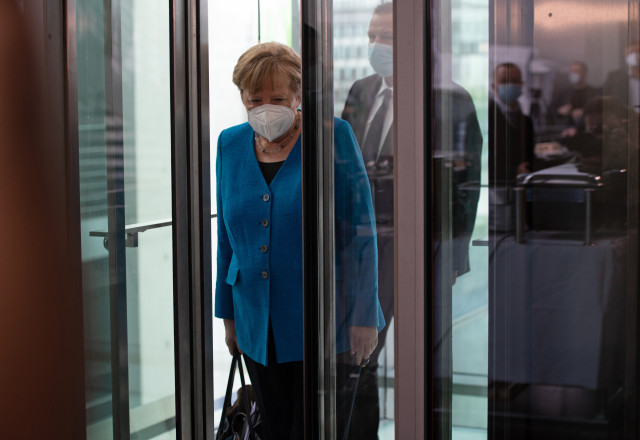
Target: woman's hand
point(363, 342)
point(230, 336)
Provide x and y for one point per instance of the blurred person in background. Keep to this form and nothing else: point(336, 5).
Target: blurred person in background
point(568, 103)
point(624, 83)
point(511, 135)
point(369, 110)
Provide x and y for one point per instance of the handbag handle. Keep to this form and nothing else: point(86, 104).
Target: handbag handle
point(227, 396)
point(237, 361)
point(246, 398)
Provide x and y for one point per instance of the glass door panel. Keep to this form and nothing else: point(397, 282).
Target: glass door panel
point(235, 24)
point(458, 129)
point(363, 96)
point(125, 178)
point(534, 159)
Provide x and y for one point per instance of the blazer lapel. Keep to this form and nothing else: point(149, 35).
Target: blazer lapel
point(367, 96)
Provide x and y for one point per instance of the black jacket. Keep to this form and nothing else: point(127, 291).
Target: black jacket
point(511, 143)
point(455, 113)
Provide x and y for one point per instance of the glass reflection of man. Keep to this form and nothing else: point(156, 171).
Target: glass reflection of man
point(369, 110)
point(510, 130)
point(624, 84)
point(569, 104)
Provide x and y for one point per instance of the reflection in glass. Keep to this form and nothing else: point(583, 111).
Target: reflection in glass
point(93, 209)
point(535, 337)
point(363, 94)
point(459, 313)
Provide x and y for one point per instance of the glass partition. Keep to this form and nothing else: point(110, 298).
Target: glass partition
point(363, 38)
point(534, 139)
point(531, 174)
point(125, 184)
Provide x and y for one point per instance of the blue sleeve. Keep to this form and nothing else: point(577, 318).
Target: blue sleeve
point(356, 248)
point(223, 296)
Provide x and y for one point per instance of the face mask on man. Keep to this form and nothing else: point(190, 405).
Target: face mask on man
point(509, 93)
point(633, 59)
point(271, 121)
point(574, 78)
point(381, 58)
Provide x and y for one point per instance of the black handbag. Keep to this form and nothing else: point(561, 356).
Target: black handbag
point(243, 419)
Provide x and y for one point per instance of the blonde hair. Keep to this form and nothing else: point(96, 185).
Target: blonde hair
point(264, 61)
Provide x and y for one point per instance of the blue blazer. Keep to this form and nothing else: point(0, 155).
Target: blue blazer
point(259, 261)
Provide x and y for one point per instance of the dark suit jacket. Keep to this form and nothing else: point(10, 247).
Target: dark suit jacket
point(617, 84)
point(510, 144)
point(466, 142)
point(458, 144)
point(356, 108)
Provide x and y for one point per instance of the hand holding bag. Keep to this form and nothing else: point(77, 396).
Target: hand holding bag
point(240, 420)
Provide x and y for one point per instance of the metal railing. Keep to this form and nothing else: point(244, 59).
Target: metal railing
point(132, 231)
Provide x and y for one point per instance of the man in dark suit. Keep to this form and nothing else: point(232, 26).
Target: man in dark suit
point(624, 83)
point(570, 97)
point(510, 130)
point(369, 110)
point(511, 144)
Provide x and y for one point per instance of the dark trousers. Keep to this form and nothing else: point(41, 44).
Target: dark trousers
point(279, 387)
point(366, 413)
point(366, 401)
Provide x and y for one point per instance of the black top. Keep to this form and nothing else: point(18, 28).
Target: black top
point(269, 170)
point(580, 97)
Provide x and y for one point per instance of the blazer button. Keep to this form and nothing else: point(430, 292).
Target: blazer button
point(265, 274)
point(266, 197)
point(265, 222)
point(264, 248)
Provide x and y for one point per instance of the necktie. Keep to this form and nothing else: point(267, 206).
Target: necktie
point(373, 139)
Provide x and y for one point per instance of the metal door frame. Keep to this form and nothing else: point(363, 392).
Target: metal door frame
point(191, 209)
point(413, 262)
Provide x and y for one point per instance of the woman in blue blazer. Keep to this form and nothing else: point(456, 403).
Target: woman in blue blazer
point(259, 276)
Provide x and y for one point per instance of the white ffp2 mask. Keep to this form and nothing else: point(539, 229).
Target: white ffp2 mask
point(381, 58)
point(271, 121)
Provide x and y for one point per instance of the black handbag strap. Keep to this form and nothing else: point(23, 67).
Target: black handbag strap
point(246, 397)
point(237, 362)
point(227, 396)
